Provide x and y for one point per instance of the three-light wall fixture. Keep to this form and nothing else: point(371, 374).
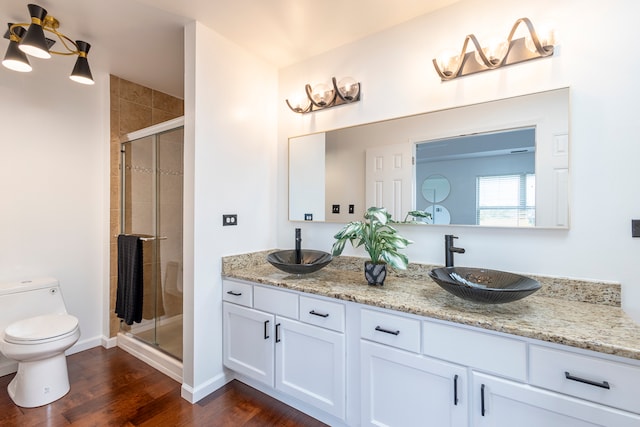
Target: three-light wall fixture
point(32, 41)
point(497, 53)
point(323, 96)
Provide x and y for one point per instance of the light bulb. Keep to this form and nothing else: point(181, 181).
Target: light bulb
point(15, 65)
point(546, 36)
point(349, 88)
point(495, 51)
point(299, 102)
point(448, 61)
point(322, 94)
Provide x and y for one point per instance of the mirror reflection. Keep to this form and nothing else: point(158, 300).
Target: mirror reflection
point(502, 163)
point(435, 188)
point(493, 178)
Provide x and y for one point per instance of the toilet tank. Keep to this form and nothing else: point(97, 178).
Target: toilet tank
point(28, 298)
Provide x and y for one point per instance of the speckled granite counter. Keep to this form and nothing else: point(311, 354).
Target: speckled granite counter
point(580, 314)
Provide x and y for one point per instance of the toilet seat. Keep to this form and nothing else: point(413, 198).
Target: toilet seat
point(41, 329)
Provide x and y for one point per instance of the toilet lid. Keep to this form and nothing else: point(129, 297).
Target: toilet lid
point(40, 328)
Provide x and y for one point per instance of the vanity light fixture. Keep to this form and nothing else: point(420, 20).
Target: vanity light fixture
point(495, 54)
point(323, 96)
point(32, 42)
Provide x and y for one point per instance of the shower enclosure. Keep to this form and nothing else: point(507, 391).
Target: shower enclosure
point(151, 207)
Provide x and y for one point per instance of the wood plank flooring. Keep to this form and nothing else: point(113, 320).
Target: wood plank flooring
point(113, 388)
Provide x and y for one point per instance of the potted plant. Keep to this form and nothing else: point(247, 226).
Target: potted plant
point(380, 240)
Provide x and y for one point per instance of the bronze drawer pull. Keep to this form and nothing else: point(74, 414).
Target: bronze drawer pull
point(603, 384)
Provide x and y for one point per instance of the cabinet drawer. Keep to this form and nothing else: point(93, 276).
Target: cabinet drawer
point(275, 301)
point(486, 352)
point(236, 292)
point(398, 331)
point(599, 380)
point(323, 313)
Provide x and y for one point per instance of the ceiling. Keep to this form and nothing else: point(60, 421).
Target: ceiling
point(142, 40)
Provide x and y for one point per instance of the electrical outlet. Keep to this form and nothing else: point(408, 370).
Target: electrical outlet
point(335, 209)
point(308, 217)
point(352, 209)
point(229, 219)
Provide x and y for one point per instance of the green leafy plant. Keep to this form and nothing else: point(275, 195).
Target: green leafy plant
point(415, 215)
point(381, 241)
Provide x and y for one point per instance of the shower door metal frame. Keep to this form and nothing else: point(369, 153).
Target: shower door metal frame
point(154, 132)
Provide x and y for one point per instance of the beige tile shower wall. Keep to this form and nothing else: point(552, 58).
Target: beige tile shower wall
point(133, 107)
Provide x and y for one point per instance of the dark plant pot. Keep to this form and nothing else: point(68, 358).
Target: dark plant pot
point(375, 273)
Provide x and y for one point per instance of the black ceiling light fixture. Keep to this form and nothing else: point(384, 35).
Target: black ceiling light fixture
point(33, 42)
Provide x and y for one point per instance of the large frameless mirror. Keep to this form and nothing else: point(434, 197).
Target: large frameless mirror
point(499, 163)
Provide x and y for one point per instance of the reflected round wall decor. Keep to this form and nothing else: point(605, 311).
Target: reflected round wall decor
point(435, 188)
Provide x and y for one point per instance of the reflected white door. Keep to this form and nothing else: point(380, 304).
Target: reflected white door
point(389, 178)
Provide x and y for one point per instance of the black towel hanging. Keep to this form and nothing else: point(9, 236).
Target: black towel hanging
point(130, 279)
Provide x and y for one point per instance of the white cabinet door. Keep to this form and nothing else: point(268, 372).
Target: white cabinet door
point(248, 342)
point(503, 403)
point(406, 389)
point(310, 364)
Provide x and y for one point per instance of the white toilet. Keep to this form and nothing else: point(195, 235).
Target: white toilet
point(35, 331)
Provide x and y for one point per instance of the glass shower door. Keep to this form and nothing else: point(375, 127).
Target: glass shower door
point(152, 209)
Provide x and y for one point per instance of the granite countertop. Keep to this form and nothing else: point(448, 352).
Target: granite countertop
point(580, 314)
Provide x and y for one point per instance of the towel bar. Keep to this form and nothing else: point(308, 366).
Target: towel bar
point(145, 238)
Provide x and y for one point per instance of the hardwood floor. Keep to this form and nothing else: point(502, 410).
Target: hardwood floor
point(113, 388)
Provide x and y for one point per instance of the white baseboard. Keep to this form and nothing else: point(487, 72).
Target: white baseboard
point(192, 395)
point(109, 342)
point(7, 366)
point(85, 344)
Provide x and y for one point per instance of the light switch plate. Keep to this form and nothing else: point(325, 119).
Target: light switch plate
point(635, 228)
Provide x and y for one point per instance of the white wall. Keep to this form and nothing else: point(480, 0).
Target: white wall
point(230, 145)
point(54, 186)
point(592, 58)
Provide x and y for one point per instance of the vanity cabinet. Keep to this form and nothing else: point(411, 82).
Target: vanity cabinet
point(399, 369)
point(504, 356)
point(400, 386)
point(310, 365)
point(248, 342)
point(499, 402)
point(268, 343)
point(510, 375)
point(586, 377)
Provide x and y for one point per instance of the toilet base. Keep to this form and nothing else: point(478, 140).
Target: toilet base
point(40, 383)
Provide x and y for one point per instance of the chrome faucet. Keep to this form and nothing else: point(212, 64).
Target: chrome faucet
point(449, 249)
point(298, 247)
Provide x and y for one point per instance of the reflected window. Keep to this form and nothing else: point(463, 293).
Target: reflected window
point(506, 200)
